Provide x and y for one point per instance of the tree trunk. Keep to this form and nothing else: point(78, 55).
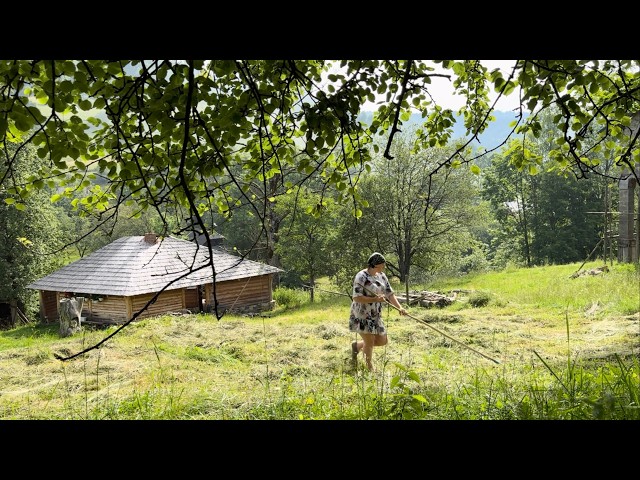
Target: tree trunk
point(13, 305)
point(70, 310)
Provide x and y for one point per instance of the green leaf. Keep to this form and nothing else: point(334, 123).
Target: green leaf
point(509, 88)
point(21, 121)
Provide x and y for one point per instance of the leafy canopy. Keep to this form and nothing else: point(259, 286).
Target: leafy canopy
point(161, 132)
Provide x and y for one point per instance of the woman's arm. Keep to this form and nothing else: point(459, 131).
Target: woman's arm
point(365, 299)
point(394, 301)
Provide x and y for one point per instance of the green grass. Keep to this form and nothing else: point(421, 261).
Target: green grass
point(564, 348)
point(552, 287)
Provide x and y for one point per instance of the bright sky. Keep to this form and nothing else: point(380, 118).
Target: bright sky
point(442, 90)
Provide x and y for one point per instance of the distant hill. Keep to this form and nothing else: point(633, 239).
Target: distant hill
point(493, 136)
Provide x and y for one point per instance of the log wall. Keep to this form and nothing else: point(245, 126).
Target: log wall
point(167, 302)
point(242, 295)
point(112, 308)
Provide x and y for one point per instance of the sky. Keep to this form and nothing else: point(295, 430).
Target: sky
point(442, 90)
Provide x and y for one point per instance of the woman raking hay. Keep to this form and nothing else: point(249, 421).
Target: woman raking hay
point(371, 288)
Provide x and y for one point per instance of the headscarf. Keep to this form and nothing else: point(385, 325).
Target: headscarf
point(375, 259)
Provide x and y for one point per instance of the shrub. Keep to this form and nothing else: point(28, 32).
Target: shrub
point(290, 297)
point(479, 299)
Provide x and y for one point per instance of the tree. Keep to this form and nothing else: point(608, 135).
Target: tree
point(508, 190)
point(306, 241)
point(416, 217)
point(563, 230)
point(30, 238)
point(157, 130)
point(87, 232)
point(547, 214)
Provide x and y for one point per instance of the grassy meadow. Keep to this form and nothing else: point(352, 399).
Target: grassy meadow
point(520, 344)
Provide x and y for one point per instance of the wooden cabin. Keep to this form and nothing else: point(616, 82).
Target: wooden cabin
point(145, 276)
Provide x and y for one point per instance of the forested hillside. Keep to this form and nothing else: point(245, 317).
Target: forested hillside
point(494, 135)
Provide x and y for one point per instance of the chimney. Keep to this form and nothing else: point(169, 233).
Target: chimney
point(150, 238)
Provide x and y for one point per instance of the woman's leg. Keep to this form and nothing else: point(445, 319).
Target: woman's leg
point(370, 340)
point(380, 340)
point(356, 346)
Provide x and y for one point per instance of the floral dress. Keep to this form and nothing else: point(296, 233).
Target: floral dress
point(367, 317)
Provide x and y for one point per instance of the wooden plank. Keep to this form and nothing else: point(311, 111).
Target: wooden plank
point(167, 302)
point(237, 294)
point(129, 306)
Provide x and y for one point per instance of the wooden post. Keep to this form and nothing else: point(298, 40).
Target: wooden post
point(70, 311)
point(626, 240)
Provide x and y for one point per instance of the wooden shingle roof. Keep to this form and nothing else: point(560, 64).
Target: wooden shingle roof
point(134, 266)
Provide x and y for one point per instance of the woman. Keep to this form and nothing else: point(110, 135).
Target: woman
point(371, 289)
